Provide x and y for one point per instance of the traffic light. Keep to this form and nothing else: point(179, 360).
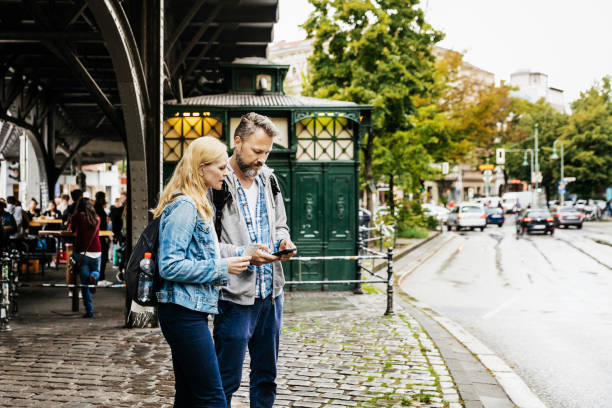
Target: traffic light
point(13, 171)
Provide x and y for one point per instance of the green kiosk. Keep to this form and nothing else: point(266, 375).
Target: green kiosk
point(315, 158)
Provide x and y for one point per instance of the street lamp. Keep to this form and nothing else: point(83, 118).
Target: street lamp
point(555, 157)
point(525, 163)
point(532, 175)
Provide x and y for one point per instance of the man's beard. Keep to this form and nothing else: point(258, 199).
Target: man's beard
point(249, 170)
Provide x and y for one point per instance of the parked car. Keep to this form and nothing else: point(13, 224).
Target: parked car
point(495, 215)
point(467, 215)
point(592, 211)
point(436, 211)
point(568, 216)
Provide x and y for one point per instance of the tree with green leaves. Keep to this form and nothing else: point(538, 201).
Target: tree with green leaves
point(375, 52)
point(457, 120)
point(588, 141)
point(551, 124)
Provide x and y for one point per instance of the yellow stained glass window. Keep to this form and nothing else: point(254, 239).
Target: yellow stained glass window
point(180, 131)
point(324, 138)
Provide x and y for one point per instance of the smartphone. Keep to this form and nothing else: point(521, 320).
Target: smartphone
point(251, 249)
point(285, 251)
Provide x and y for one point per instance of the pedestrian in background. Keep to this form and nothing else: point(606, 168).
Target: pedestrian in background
point(251, 305)
point(9, 226)
point(75, 195)
point(33, 210)
point(63, 204)
point(100, 207)
point(192, 271)
point(14, 208)
point(87, 250)
point(52, 211)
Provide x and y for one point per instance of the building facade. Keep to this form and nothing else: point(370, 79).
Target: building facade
point(295, 54)
point(533, 86)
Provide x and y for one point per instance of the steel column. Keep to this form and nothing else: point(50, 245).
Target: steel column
point(122, 48)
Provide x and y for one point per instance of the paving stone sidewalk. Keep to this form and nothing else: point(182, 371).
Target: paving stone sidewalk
point(337, 350)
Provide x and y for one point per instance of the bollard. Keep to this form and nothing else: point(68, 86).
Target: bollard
point(389, 310)
point(357, 289)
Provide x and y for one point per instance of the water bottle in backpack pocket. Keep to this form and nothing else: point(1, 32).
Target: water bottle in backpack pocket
point(145, 279)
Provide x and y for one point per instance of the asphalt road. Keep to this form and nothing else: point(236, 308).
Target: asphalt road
point(542, 303)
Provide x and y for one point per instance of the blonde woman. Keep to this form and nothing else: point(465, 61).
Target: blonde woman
point(192, 271)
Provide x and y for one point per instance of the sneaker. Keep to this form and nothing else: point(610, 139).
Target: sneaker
point(92, 281)
point(119, 277)
point(104, 283)
point(80, 294)
point(87, 315)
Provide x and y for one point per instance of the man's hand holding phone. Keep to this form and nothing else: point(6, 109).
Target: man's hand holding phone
point(286, 250)
point(260, 254)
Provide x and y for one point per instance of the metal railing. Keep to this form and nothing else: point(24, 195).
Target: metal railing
point(359, 267)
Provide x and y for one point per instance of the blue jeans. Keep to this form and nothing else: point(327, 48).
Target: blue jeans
point(258, 328)
point(196, 373)
point(89, 267)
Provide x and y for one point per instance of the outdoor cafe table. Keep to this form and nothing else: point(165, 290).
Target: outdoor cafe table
point(40, 221)
point(73, 281)
point(69, 234)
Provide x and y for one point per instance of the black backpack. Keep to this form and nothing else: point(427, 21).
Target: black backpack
point(148, 242)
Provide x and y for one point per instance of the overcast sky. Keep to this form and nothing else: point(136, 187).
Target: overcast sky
point(568, 40)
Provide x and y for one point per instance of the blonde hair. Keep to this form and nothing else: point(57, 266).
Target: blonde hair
point(203, 150)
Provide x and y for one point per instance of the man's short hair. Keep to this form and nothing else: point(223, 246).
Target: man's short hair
point(65, 197)
point(11, 200)
point(252, 121)
point(76, 194)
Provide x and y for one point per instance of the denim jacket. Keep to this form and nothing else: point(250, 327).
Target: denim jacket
point(188, 258)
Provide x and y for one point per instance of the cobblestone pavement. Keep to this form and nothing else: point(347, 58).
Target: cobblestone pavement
point(337, 350)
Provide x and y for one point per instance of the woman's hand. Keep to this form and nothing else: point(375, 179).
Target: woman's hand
point(237, 264)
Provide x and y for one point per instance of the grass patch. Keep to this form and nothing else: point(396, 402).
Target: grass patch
point(412, 232)
point(369, 289)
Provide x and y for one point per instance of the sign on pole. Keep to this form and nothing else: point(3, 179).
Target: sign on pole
point(569, 179)
point(445, 168)
point(500, 156)
point(487, 166)
point(561, 187)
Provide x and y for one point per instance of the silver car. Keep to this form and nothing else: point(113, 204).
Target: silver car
point(467, 215)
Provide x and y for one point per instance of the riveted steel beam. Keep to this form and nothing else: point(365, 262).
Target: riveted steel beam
point(203, 27)
point(183, 25)
point(138, 112)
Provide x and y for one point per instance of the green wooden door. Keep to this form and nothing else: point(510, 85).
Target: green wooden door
point(324, 220)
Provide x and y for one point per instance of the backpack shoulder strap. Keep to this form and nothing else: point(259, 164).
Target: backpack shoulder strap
point(220, 199)
point(274, 185)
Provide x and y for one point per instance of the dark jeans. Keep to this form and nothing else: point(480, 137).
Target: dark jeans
point(104, 243)
point(89, 267)
point(258, 327)
point(196, 372)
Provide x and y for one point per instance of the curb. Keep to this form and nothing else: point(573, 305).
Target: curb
point(514, 387)
point(405, 251)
